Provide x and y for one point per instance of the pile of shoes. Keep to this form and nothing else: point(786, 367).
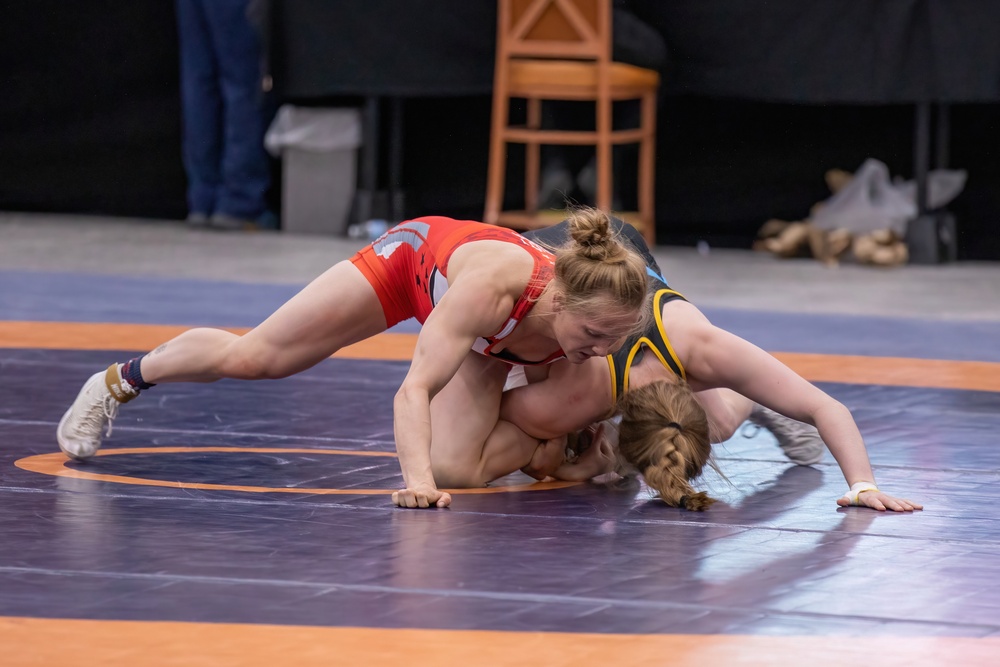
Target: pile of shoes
point(880, 248)
point(883, 247)
point(803, 239)
point(865, 219)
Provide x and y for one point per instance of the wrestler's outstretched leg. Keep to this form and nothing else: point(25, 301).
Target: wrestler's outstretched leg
point(727, 410)
point(338, 308)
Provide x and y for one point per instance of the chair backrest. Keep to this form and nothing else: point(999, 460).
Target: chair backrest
point(575, 29)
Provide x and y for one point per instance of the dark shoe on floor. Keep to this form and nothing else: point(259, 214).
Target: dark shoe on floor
point(197, 220)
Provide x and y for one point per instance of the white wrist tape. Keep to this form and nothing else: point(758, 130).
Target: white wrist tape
point(856, 490)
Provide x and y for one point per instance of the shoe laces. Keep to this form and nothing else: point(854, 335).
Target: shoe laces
point(98, 414)
point(110, 412)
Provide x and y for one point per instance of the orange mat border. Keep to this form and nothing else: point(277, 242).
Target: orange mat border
point(34, 642)
point(852, 369)
point(55, 464)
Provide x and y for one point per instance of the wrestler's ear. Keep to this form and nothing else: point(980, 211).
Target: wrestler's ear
point(558, 300)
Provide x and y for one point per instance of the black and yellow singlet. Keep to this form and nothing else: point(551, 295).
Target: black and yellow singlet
point(653, 340)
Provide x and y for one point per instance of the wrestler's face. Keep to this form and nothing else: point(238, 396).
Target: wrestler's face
point(582, 336)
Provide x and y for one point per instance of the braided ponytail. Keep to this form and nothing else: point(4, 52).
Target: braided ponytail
point(664, 435)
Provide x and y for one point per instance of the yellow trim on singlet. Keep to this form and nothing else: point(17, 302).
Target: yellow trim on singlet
point(631, 357)
point(658, 318)
point(614, 380)
point(658, 314)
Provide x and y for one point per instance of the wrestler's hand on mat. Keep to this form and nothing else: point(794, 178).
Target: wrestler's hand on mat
point(877, 500)
point(422, 495)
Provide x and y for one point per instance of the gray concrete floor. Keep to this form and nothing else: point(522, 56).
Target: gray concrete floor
point(722, 278)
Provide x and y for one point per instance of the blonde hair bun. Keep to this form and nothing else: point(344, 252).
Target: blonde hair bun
point(596, 270)
point(591, 230)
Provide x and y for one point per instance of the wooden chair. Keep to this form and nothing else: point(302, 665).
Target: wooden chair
point(561, 50)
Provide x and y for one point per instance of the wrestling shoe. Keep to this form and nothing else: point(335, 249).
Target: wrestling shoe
point(800, 442)
point(96, 406)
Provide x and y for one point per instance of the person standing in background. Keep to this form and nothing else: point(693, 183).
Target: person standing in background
point(223, 119)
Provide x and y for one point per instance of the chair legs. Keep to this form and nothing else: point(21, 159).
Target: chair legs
point(496, 177)
point(533, 158)
point(647, 169)
point(604, 154)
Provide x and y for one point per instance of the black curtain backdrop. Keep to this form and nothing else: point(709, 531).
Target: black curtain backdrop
point(832, 51)
point(90, 123)
point(89, 108)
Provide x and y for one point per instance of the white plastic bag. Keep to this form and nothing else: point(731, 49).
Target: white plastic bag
point(313, 129)
point(943, 185)
point(868, 202)
point(871, 201)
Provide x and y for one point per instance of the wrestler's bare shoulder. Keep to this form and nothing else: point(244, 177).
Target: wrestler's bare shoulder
point(503, 264)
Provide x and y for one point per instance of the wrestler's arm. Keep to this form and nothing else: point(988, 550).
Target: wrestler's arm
point(472, 307)
point(509, 449)
point(715, 358)
point(572, 397)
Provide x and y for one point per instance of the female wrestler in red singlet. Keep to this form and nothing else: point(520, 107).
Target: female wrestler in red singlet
point(487, 298)
point(408, 267)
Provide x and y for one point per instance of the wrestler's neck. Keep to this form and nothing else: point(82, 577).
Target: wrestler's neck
point(540, 320)
point(534, 336)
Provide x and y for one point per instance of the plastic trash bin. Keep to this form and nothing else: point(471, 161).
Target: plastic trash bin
point(318, 150)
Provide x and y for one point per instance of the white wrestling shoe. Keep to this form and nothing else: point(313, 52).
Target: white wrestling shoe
point(800, 442)
point(81, 429)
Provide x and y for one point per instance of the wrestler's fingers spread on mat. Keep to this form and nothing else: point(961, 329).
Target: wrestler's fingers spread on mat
point(898, 504)
point(872, 500)
point(867, 499)
point(903, 505)
point(881, 502)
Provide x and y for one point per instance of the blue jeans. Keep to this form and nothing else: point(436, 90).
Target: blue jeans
point(221, 101)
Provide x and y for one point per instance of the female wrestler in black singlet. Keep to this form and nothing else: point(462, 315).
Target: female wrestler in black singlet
point(681, 351)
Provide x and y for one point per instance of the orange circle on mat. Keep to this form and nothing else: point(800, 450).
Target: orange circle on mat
point(55, 464)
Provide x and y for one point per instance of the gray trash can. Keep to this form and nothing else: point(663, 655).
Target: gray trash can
point(318, 150)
